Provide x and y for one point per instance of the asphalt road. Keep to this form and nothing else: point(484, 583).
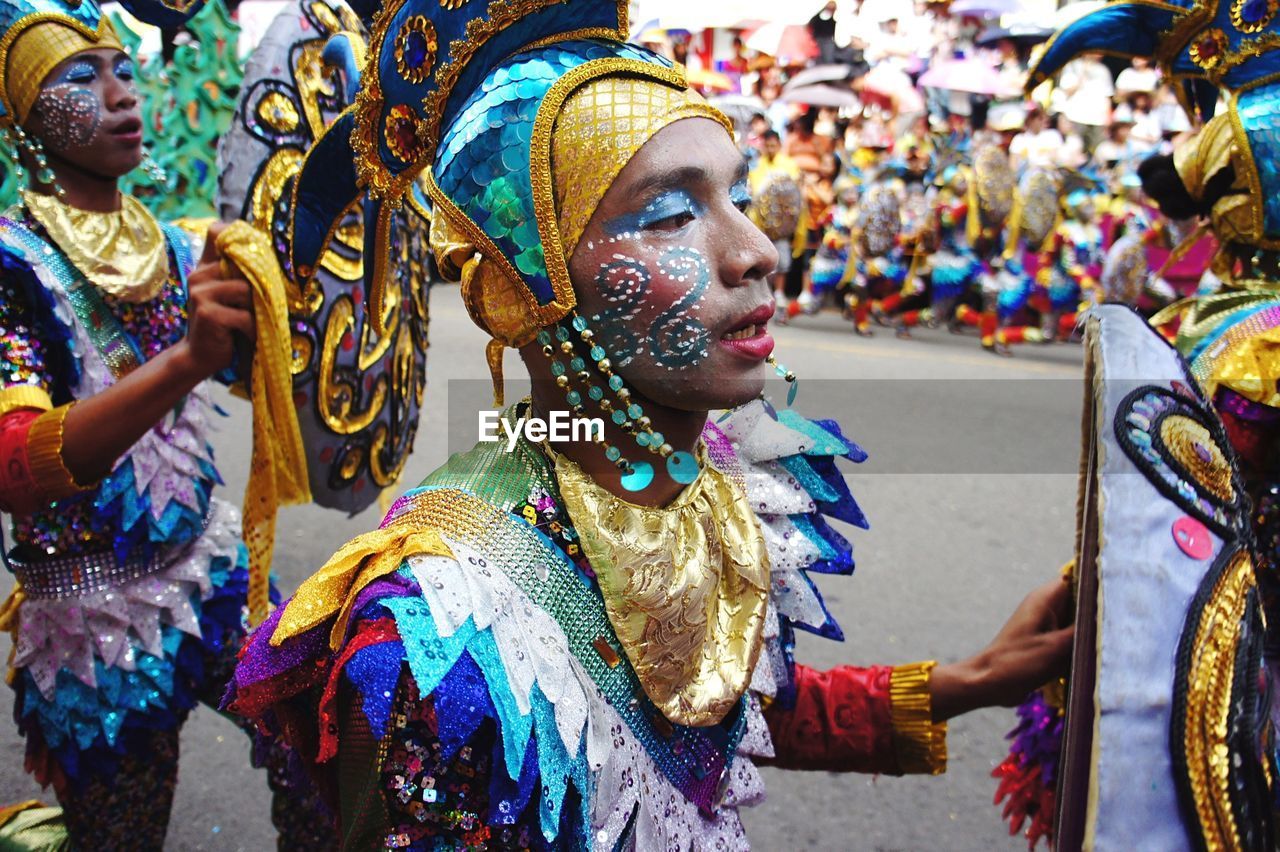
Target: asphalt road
point(970, 489)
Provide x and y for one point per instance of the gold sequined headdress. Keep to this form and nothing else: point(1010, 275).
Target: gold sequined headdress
point(27, 55)
point(37, 35)
point(597, 130)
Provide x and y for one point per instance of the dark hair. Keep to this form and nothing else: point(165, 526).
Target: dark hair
point(770, 135)
point(1161, 181)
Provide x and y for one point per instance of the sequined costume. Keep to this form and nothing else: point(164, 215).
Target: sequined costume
point(130, 598)
point(1070, 264)
point(517, 657)
point(476, 590)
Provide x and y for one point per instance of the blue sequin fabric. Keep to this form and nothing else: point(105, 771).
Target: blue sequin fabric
point(482, 163)
point(94, 668)
point(84, 729)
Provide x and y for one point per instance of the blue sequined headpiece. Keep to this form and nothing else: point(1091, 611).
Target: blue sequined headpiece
point(469, 89)
point(1201, 44)
point(1204, 47)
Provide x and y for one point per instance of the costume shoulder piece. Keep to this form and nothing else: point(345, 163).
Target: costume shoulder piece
point(1168, 737)
point(481, 570)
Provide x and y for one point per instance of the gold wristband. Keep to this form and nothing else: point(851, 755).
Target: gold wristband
point(44, 456)
point(18, 397)
point(921, 743)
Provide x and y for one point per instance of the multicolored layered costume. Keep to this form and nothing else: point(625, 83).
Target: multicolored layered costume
point(484, 668)
point(131, 597)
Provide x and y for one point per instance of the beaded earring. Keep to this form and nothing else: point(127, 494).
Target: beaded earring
point(18, 140)
point(681, 466)
point(154, 170)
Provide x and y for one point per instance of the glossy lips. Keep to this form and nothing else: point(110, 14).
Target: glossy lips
point(128, 131)
point(749, 337)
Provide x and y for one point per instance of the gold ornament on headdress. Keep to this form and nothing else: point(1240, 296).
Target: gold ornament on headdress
point(29, 52)
point(1237, 216)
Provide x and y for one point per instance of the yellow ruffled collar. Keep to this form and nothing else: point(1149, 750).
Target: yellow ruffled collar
point(686, 587)
point(124, 252)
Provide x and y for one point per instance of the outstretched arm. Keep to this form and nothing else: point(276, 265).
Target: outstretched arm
point(893, 719)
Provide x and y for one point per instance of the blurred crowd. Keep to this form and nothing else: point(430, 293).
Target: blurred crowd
point(899, 164)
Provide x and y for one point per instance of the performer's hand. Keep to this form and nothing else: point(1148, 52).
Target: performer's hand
point(219, 310)
point(1032, 649)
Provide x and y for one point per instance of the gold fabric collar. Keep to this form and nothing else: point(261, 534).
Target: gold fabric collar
point(124, 253)
point(686, 587)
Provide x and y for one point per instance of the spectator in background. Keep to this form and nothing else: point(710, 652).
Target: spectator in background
point(1146, 132)
point(1119, 152)
point(1072, 155)
point(822, 27)
point(805, 147)
point(1085, 90)
point(1139, 77)
point(1037, 146)
point(754, 141)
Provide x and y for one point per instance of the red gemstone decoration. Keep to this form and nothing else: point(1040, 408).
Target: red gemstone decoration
point(401, 130)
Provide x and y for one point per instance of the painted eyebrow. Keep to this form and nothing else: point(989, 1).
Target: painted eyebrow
point(681, 177)
point(89, 59)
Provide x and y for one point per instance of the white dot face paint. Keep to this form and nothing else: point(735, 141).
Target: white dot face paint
point(71, 114)
point(673, 289)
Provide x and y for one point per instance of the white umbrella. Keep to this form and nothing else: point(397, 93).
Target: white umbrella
point(968, 75)
point(822, 96)
point(1072, 12)
point(819, 74)
point(986, 8)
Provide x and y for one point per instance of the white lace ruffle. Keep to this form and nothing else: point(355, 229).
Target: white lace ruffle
point(115, 624)
point(759, 442)
point(534, 649)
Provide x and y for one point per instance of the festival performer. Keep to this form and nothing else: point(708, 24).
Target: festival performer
point(1210, 454)
point(880, 266)
point(991, 191)
point(1069, 266)
point(832, 257)
point(132, 577)
point(954, 269)
point(589, 643)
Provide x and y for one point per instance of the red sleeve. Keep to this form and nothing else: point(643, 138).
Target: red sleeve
point(841, 722)
point(19, 492)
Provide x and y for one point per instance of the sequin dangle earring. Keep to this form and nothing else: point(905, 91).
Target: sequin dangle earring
point(681, 466)
point(154, 170)
point(17, 141)
point(788, 376)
